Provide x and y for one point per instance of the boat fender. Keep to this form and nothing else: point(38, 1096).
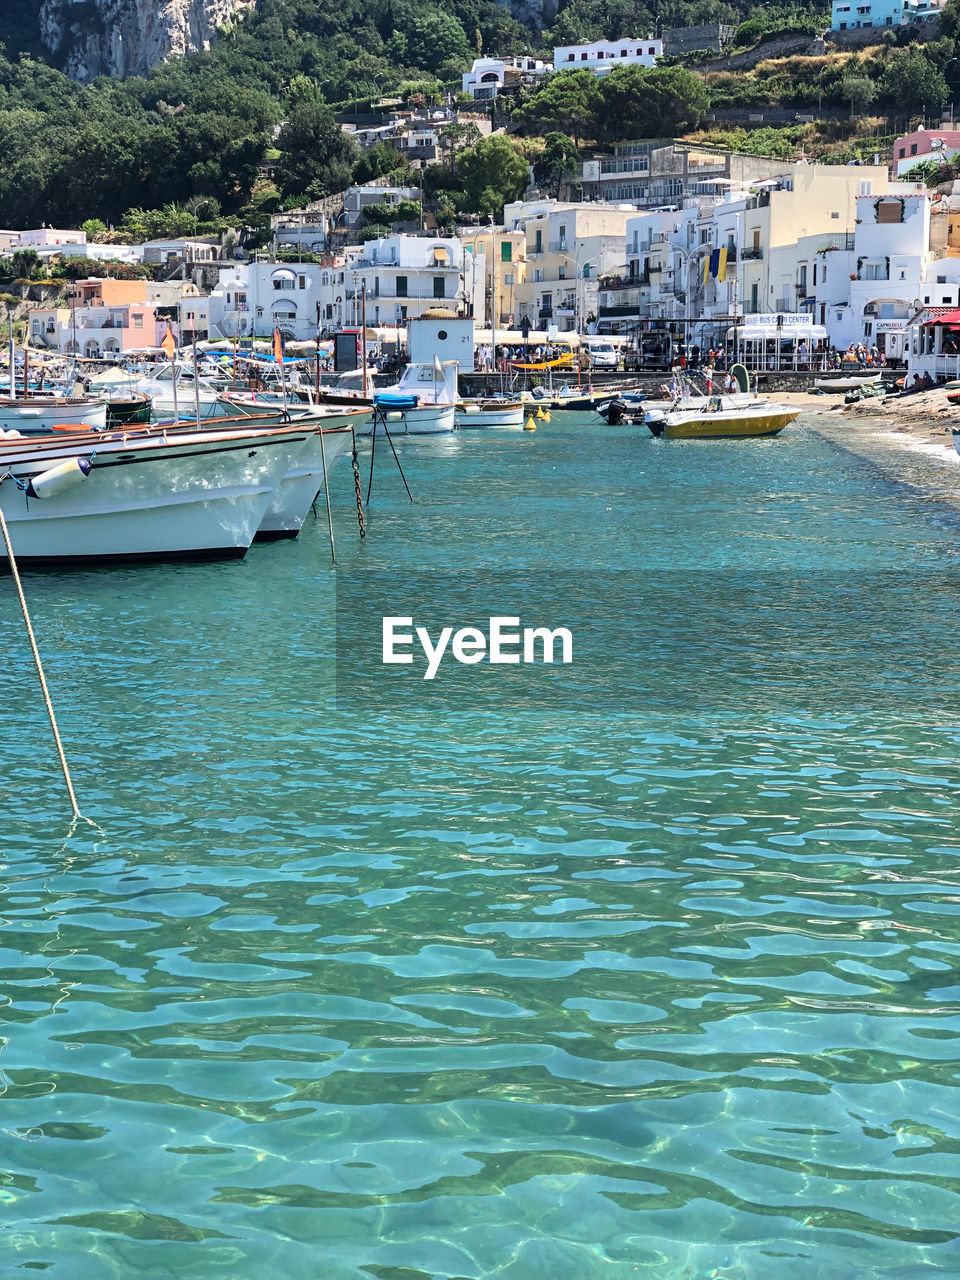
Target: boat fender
point(56, 479)
point(471, 408)
point(394, 416)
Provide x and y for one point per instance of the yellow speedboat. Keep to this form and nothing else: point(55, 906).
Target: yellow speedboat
point(723, 417)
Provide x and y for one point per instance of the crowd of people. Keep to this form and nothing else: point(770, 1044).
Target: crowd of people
point(485, 359)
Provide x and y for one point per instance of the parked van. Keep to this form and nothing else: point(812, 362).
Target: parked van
point(600, 354)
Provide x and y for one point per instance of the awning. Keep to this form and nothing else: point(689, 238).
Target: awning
point(760, 333)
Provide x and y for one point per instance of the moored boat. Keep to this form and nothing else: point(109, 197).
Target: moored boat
point(489, 413)
point(44, 413)
point(152, 495)
point(723, 417)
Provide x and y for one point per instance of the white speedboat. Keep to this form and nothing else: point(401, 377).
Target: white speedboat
point(303, 479)
point(47, 413)
point(158, 384)
point(153, 495)
point(489, 413)
point(423, 402)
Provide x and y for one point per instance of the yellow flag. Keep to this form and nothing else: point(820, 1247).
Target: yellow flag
point(168, 346)
point(722, 269)
point(706, 267)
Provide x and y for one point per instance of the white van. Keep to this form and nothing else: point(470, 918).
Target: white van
point(601, 354)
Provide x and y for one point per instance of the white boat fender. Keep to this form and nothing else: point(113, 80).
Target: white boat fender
point(471, 408)
point(56, 479)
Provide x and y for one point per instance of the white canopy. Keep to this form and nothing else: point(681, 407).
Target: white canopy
point(758, 333)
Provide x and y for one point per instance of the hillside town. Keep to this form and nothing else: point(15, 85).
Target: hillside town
point(671, 250)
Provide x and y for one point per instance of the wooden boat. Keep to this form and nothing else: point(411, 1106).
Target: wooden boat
point(489, 413)
point(723, 417)
point(129, 409)
point(41, 413)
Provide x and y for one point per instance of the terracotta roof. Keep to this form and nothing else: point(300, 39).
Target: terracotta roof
point(942, 315)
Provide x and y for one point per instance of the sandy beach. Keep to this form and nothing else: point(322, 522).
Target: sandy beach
point(909, 438)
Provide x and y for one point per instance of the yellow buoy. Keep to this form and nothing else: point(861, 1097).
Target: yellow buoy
point(546, 415)
point(530, 425)
point(540, 414)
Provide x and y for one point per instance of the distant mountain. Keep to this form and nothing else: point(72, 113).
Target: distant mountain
point(89, 38)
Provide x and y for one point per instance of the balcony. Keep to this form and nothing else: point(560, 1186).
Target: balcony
point(609, 312)
point(545, 313)
point(752, 254)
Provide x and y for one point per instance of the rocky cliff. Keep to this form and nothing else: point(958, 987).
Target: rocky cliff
point(128, 37)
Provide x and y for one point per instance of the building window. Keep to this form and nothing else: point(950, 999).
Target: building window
point(138, 322)
point(508, 277)
point(903, 152)
point(506, 251)
point(302, 281)
point(438, 286)
point(401, 286)
point(538, 243)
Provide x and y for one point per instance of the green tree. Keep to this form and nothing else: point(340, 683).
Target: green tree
point(429, 38)
point(912, 81)
point(26, 264)
point(378, 161)
point(492, 173)
point(316, 156)
point(650, 102)
point(559, 156)
point(859, 91)
point(93, 228)
point(570, 100)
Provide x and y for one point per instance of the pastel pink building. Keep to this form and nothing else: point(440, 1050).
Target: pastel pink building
point(925, 144)
point(49, 237)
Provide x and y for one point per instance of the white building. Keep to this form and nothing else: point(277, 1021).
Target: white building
point(254, 298)
point(489, 76)
point(404, 276)
point(603, 55)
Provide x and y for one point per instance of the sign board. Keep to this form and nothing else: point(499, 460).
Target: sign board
point(346, 352)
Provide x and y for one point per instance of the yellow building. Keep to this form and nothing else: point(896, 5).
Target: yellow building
point(500, 256)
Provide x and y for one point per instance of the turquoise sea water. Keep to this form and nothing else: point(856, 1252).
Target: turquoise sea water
point(660, 980)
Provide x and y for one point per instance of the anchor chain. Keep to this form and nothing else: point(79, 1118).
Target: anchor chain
point(356, 485)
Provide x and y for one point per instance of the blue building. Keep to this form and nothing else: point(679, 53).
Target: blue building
point(849, 15)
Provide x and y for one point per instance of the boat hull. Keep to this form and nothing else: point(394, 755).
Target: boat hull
point(297, 491)
point(425, 420)
point(732, 426)
point(198, 497)
point(37, 416)
point(489, 414)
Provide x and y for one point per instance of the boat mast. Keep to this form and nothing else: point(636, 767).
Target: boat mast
point(363, 337)
point(493, 295)
point(13, 357)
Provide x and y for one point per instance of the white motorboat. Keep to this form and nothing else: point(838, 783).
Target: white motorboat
point(489, 413)
point(158, 384)
point(152, 495)
point(301, 483)
point(46, 413)
point(303, 480)
point(423, 402)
